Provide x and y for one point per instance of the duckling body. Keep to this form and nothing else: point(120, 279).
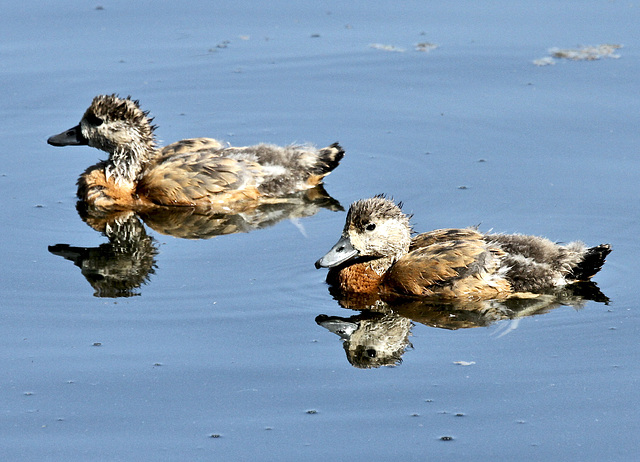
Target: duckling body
point(376, 254)
point(191, 172)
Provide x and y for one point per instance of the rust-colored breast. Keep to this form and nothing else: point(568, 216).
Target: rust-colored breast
point(98, 191)
point(358, 278)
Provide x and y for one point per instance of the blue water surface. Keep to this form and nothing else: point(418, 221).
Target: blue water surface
point(218, 355)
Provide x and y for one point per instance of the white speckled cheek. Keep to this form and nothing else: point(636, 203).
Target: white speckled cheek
point(86, 129)
point(94, 138)
point(120, 134)
point(358, 241)
point(391, 238)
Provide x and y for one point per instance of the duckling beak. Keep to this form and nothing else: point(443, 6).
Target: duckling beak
point(71, 137)
point(339, 253)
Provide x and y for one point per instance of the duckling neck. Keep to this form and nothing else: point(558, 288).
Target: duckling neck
point(126, 164)
point(381, 265)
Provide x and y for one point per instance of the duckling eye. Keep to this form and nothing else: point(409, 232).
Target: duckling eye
point(370, 227)
point(94, 120)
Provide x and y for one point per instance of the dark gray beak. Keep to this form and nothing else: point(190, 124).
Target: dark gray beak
point(71, 137)
point(339, 253)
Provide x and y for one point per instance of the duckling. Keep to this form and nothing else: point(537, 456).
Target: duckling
point(377, 254)
point(191, 172)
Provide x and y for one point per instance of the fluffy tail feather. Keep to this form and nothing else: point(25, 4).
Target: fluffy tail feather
point(328, 159)
point(591, 263)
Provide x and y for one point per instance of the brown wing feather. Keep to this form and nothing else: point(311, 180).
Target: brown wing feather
point(444, 235)
point(450, 263)
point(198, 178)
point(439, 264)
point(191, 145)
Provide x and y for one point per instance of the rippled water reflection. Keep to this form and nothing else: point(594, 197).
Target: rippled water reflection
point(234, 336)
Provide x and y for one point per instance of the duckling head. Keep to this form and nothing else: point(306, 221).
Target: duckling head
point(119, 127)
point(111, 124)
point(375, 228)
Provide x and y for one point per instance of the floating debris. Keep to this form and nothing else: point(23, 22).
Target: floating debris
point(585, 53)
point(425, 47)
point(380, 46)
point(546, 61)
point(220, 46)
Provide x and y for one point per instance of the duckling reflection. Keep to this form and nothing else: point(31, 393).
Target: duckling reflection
point(379, 334)
point(371, 339)
point(121, 266)
point(199, 223)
